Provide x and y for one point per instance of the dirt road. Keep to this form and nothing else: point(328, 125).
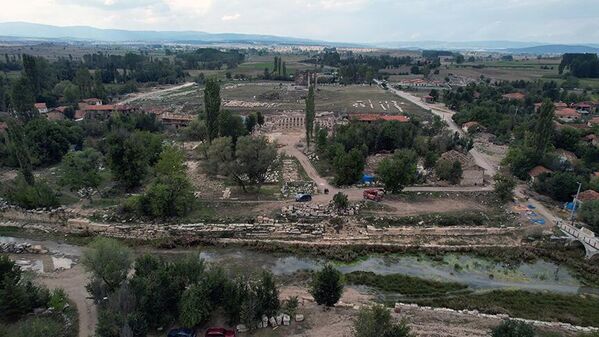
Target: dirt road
point(154, 93)
point(73, 281)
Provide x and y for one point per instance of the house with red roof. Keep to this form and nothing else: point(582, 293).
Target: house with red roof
point(41, 107)
point(567, 115)
point(536, 172)
point(593, 121)
point(584, 107)
point(514, 96)
point(471, 126)
point(588, 195)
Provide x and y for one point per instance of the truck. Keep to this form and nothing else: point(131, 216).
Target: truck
point(373, 194)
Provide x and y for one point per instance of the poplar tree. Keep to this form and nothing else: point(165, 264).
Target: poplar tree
point(310, 115)
point(212, 107)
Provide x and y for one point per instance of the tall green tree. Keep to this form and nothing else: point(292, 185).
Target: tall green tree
point(327, 286)
point(81, 169)
point(253, 157)
point(212, 107)
point(504, 187)
point(108, 261)
point(398, 171)
point(310, 115)
point(16, 139)
point(23, 98)
point(543, 132)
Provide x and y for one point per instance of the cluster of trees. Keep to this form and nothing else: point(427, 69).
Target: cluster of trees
point(209, 58)
point(230, 151)
point(160, 292)
point(19, 297)
point(483, 103)
point(279, 71)
point(536, 147)
point(580, 65)
point(10, 63)
point(346, 150)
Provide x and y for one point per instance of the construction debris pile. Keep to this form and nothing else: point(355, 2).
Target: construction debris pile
point(290, 189)
point(21, 248)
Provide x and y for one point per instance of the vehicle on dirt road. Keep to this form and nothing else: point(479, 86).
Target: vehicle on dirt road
point(303, 197)
point(373, 194)
point(182, 332)
point(220, 332)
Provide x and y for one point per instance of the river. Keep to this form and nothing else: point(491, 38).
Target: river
point(478, 273)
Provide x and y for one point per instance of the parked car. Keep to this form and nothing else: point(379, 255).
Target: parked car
point(220, 332)
point(182, 332)
point(303, 197)
point(373, 194)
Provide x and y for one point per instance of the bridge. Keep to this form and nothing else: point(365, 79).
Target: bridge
point(584, 236)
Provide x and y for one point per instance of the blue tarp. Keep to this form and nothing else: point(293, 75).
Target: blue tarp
point(367, 179)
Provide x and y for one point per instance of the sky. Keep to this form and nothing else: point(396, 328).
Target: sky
point(368, 21)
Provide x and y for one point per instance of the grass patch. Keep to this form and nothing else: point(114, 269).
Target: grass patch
point(571, 309)
point(405, 285)
point(448, 219)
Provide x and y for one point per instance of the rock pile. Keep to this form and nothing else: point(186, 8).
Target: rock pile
point(21, 248)
point(290, 189)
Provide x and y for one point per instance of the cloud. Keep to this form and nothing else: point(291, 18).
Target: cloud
point(231, 17)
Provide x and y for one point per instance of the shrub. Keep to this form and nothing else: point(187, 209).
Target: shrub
point(195, 306)
point(376, 321)
point(513, 329)
point(327, 286)
point(28, 196)
point(340, 200)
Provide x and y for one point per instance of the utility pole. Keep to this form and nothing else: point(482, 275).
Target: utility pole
point(575, 203)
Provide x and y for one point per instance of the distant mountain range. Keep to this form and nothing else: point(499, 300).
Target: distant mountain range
point(33, 31)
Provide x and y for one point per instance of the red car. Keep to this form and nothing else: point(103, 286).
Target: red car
point(373, 194)
point(220, 332)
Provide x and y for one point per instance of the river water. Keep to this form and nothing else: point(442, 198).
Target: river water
point(477, 273)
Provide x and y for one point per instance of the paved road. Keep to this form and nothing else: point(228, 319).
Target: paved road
point(447, 116)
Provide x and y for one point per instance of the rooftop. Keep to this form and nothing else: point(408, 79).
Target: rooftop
point(375, 117)
point(537, 171)
point(588, 195)
point(516, 96)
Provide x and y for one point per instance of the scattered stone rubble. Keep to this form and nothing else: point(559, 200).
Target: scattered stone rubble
point(317, 211)
point(565, 326)
point(21, 248)
point(291, 188)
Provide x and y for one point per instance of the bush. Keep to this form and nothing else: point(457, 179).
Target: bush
point(195, 306)
point(376, 321)
point(589, 213)
point(406, 285)
point(504, 187)
point(327, 286)
point(449, 171)
point(340, 201)
point(37, 327)
point(513, 329)
point(27, 196)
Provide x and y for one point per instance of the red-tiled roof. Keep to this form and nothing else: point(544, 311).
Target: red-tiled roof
point(40, 106)
point(594, 121)
point(588, 195)
point(537, 171)
point(567, 112)
point(374, 118)
point(107, 107)
point(470, 124)
point(518, 96)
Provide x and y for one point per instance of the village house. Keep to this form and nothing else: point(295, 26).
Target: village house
point(584, 108)
point(557, 105)
point(593, 121)
point(428, 99)
point(370, 118)
point(586, 196)
point(567, 115)
point(514, 96)
point(592, 139)
point(566, 156)
point(92, 101)
point(472, 174)
point(174, 120)
point(536, 172)
point(471, 127)
point(41, 108)
point(55, 115)
point(101, 111)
